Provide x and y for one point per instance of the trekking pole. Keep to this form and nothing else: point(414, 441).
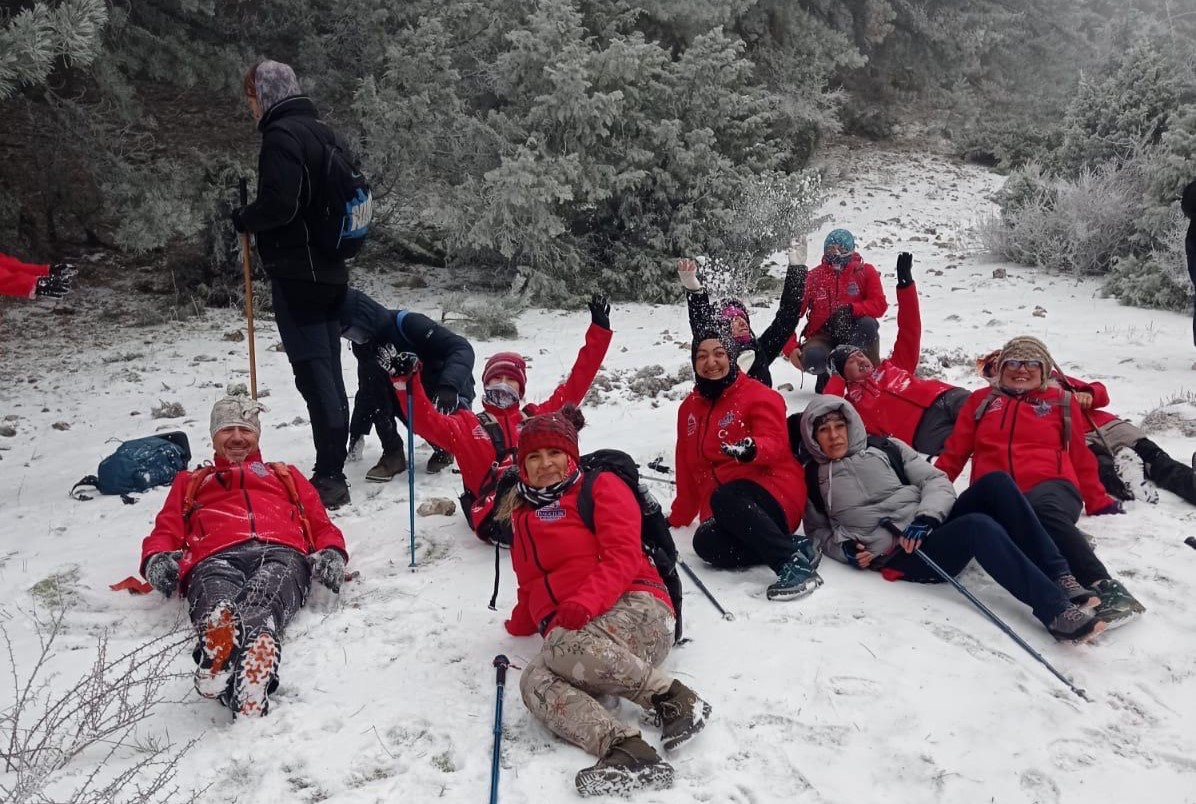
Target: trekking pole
point(501, 663)
point(728, 616)
point(245, 264)
point(411, 472)
point(987, 612)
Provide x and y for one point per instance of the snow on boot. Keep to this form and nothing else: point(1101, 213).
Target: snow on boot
point(682, 715)
point(1133, 473)
point(390, 464)
point(220, 639)
point(630, 764)
point(796, 579)
point(1076, 625)
point(440, 460)
point(256, 676)
point(1117, 606)
point(1078, 595)
point(1106, 469)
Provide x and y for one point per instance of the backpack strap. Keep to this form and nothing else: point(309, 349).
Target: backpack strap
point(497, 437)
point(283, 473)
point(400, 316)
point(984, 403)
point(89, 480)
point(893, 453)
point(585, 500)
point(193, 483)
point(1067, 396)
point(813, 492)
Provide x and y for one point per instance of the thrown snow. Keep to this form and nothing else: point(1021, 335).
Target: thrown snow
point(867, 691)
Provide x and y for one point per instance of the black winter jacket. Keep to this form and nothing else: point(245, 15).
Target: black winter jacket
point(1188, 204)
point(293, 140)
point(447, 357)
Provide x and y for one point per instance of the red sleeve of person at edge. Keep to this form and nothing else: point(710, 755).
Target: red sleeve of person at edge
point(873, 304)
point(19, 278)
point(581, 376)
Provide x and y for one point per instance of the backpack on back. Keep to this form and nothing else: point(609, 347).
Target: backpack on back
point(139, 465)
point(655, 535)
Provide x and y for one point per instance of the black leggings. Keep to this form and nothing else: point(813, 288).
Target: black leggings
point(748, 527)
point(1058, 505)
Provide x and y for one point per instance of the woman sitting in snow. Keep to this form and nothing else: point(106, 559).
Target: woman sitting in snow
point(866, 514)
point(601, 607)
point(735, 469)
point(1027, 426)
point(756, 353)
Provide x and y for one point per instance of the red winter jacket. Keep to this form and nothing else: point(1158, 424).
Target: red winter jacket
point(462, 433)
point(1023, 435)
point(893, 398)
point(234, 504)
point(746, 408)
point(557, 558)
point(829, 287)
point(20, 278)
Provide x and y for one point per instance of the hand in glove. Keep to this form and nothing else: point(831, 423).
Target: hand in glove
point(797, 251)
point(396, 363)
point(447, 400)
point(53, 286)
point(328, 567)
point(162, 571)
point(572, 615)
point(519, 629)
point(905, 266)
point(856, 555)
point(687, 272)
point(743, 451)
point(916, 531)
point(600, 310)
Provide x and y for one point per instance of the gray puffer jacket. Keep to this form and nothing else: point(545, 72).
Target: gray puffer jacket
point(861, 489)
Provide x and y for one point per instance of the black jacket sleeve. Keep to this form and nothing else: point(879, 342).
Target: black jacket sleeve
point(435, 343)
point(769, 345)
point(279, 183)
point(701, 312)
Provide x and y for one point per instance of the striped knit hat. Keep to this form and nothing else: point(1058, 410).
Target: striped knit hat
point(509, 363)
point(1025, 347)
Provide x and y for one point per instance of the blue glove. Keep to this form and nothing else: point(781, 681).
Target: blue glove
point(918, 530)
point(1114, 507)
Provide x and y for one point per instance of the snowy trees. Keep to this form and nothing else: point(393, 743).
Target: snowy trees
point(35, 39)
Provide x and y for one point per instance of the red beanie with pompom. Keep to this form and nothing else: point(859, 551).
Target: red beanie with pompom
point(557, 430)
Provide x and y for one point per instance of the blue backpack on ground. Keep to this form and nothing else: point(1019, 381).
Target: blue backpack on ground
point(138, 465)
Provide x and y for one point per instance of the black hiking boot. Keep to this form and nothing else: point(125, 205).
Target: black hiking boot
point(1078, 595)
point(333, 491)
point(630, 764)
point(795, 579)
point(1076, 625)
point(390, 464)
point(682, 715)
point(441, 459)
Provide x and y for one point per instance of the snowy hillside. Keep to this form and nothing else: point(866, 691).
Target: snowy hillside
point(867, 691)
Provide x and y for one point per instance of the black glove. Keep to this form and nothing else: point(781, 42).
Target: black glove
point(53, 286)
point(920, 528)
point(905, 273)
point(328, 567)
point(396, 363)
point(63, 269)
point(447, 400)
point(600, 310)
point(743, 451)
point(162, 571)
point(237, 217)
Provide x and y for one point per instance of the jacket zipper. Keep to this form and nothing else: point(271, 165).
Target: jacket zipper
point(248, 505)
point(539, 566)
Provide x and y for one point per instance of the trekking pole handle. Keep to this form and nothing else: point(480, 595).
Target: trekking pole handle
point(501, 663)
point(243, 184)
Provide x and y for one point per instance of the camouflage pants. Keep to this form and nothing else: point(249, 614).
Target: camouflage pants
point(617, 653)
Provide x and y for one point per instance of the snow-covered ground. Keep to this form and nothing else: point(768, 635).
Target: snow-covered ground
point(867, 691)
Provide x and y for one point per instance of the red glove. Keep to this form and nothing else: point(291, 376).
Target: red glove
point(519, 629)
point(572, 615)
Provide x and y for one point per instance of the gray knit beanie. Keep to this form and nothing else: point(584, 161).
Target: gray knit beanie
point(236, 411)
point(275, 81)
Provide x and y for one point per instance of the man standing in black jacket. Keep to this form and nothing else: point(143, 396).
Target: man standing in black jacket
point(1188, 203)
point(307, 285)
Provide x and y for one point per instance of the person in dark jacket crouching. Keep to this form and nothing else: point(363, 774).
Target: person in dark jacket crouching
point(242, 539)
point(863, 514)
point(602, 609)
point(307, 286)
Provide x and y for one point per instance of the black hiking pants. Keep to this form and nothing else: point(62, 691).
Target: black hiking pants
point(1058, 505)
point(308, 318)
point(937, 422)
point(374, 405)
point(1166, 472)
point(1190, 252)
point(265, 583)
point(747, 528)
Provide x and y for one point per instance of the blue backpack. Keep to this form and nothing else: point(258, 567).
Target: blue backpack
point(138, 465)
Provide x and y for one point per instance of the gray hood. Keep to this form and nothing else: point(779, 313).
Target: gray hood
point(857, 436)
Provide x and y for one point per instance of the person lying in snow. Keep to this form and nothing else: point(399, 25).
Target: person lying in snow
point(890, 398)
point(869, 515)
point(735, 470)
point(1022, 425)
point(447, 368)
point(484, 444)
point(756, 353)
point(602, 609)
point(27, 280)
point(242, 540)
point(844, 300)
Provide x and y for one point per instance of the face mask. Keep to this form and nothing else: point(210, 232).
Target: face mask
point(501, 396)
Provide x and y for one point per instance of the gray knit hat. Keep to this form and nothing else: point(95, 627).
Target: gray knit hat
point(236, 411)
point(275, 81)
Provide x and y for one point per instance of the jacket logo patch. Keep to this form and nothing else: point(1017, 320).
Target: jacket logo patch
point(553, 512)
point(727, 418)
point(691, 425)
point(996, 405)
point(1043, 408)
point(259, 469)
point(853, 289)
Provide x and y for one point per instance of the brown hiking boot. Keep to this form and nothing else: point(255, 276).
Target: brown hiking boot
point(682, 715)
point(390, 464)
point(630, 764)
point(441, 459)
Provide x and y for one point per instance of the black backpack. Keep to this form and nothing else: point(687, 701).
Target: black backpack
point(891, 451)
point(655, 535)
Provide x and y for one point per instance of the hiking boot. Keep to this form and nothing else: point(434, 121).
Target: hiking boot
point(1076, 625)
point(1132, 471)
point(796, 579)
point(1117, 606)
point(441, 459)
point(256, 676)
point(682, 715)
point(333, 491)
point(1112, 481)
point(1078, 595)
point(630, 764)
point(390, 464)
point(219, 640)
point(807, 547)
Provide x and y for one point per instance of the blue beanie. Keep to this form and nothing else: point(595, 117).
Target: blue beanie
point(841, 238)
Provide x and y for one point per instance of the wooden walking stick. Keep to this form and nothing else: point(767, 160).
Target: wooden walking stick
point(248, 294)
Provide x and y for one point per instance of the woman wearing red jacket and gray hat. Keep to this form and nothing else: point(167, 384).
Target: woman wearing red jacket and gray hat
point(601, 607)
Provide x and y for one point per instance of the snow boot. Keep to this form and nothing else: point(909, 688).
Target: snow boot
point(256, 676)
point(682, 715)
point(1106, 469)
point(1076, 625)
point(333, 491)
point(218, 643)
point(630, 764)
point(392, 463)
point(1117, 606)
point(1132, 472)
point(1078, 595)
point(441, 459)
point(795, 579)
point(806, 546)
